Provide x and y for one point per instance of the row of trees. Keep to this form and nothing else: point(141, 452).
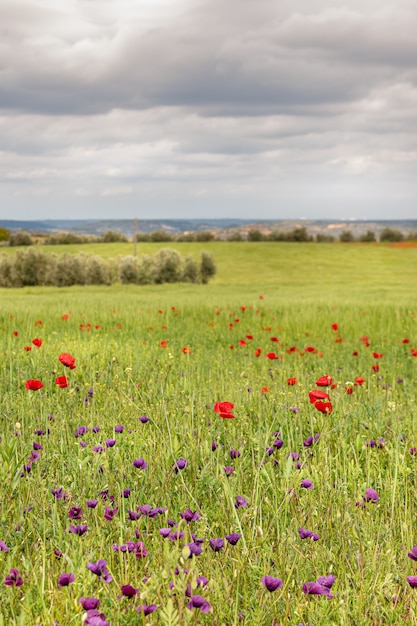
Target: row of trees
point(34, 267)
point(301, 234)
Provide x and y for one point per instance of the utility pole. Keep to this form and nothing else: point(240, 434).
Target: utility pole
point(135, 237)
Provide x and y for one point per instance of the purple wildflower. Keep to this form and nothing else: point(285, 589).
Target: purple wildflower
point(195, 549)
point(412, 555)
point(13, 578)
point(146, 609)
point(94, 618)
point(81, 430)
point(412, 581)
point(234, 454)
point(78, 530)
point(98, 449)
point(308, 534)
point(214, 446)
point(216, 544)
point(197, 602)
point(3, 547)
point(140, 464)
point(144, 419)
point(110, 443)
point(75, 513)
point(128, 591)
point(294, 456)
point(92, 504)
point(95, 429)
point(278, 443)
point(233, 538)
point(240, 502)
point(271, 583)
point(315, 589)
point(100, 569)
point(59, 493)
point(109, 513)
point(125, 493)
point(307, 484)
point(371, 496)
point(65, 580)
point(180, 465)
point(89, 604)
point(190, 516)
point(119, 429)
point(228, 470)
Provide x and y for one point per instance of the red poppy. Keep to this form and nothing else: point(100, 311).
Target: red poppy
point(62, 381)
point(186, 350)
point(242, 343)
point(265, 390)
point(335, 326)
point(261, 297)
point(292, 381)
point(37, 342)
point(377, 355)
point(163, 343)
point(355, 353)
point(28, 348)
point(365, 341)
point(97, 327)
point(310, 349)
point(317, 395)
point(349, 390)
point(67, 360)
point(406, 341)
point(275, 339)
point(359, 380)
point(250, 337)
point(324, 381)
point(38, 323)
point(164, 326)
point(34, 385)
point(258, 352)
point(15, 333)
point(338, 340)
point(323, 407)
point(413, 352)
point(375, 368)
point(271, 355)
point(292, 349)
point(333, 386)
point(64, 317)
point(224, 409)
point(231, 347)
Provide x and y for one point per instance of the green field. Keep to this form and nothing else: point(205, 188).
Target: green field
point(128, 343)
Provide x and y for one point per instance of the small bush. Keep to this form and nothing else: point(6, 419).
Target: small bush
point(4, 234)
point(254, 234)
point(167, 266)
point(160, 236)
point(346, 236)
point(112, 236)
point(21, 238)
point(207, 267)
point(367, 237)
point(65, 239)
point(391, 235)
point(235, 236)
point(190, 271)
point(204, 235)
point(324, 238)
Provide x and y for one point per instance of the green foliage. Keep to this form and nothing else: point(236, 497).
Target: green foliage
point(346, 236)
point(4, 234)
point(367, 237)
point(324, 238)
point(160, 236)
point(207, 267)
point(391, 235)
point(66, 239)
point(254, 234)
point(111, 236)
point(21, 238)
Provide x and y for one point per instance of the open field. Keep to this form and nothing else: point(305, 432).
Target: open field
point(79, 466)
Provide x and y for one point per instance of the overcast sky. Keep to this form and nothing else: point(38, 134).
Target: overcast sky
point(208, 108)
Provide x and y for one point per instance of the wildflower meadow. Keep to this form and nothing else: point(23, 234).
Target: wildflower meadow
point(242, 452)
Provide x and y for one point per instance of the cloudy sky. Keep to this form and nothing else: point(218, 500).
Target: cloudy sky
point(208, 108)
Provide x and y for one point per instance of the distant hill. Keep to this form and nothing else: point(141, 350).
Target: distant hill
point(126, 226)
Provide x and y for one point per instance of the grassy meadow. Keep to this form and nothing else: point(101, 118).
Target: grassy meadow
point(127, 499)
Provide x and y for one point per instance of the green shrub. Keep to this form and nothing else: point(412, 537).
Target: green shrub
point(346, 236)
point(167, 266)
point(391, 235)
point(160, 236)
point(254, 234)
point(112, 236)
point(367, 237)
point(21, 238)
point(207, 267)
point(4, 234)
point(324, 238)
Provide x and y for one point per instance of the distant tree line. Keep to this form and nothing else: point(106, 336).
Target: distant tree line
point(34, 267)
point(299, 234)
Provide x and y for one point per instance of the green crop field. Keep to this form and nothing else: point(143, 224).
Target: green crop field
point(242, 452)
